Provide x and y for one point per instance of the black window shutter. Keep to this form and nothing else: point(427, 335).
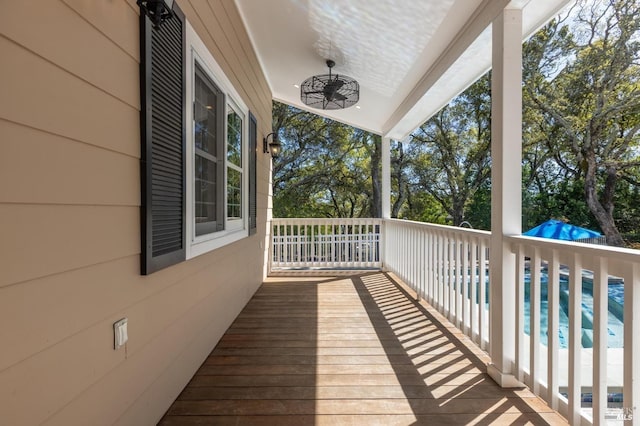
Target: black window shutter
point(253, 153)
point(162, 88)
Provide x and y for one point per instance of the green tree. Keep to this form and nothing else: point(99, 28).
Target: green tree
point(399, 183)
point(453, 150)
point(582, 75)
point(326, 169)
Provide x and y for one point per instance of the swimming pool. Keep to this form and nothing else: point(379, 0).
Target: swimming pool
point(615, 325)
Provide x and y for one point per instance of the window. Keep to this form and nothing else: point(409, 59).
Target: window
point(217, 179)
point(198, 183)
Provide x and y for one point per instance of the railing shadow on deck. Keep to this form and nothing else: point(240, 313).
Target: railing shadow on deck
point(442, 376)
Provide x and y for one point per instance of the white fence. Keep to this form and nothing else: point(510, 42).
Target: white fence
point(325, 243)
point(446, 266)
point(584, 379)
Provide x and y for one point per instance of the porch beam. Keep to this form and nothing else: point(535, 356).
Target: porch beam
point(506, 196)
point(386, 177)
point(481, 18)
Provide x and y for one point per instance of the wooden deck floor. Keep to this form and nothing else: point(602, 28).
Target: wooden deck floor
point(354, 350)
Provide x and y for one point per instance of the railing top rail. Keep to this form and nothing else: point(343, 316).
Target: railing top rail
point(277, 220)
point(444, 228)
point(584, 249)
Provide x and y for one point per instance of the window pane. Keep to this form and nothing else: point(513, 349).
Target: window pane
point(234, 194)
point(234, 138)
point(205, 113)
point(205, 192)
point(208, 178)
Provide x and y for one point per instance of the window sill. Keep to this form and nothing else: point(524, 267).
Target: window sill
point(215, 241)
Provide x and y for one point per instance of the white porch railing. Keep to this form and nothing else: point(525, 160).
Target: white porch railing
point(325, 243)
point(580, 280)
point(446, 266)
point(563, 287)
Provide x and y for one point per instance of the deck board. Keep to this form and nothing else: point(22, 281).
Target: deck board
point(355, 350)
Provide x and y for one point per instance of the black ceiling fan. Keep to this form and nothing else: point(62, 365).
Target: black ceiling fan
point(328, 91)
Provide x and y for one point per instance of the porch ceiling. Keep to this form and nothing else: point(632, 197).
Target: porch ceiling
point(410, 57)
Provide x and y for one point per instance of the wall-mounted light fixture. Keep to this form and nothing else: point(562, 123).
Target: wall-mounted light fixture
point(158, 11)
point(274, 147)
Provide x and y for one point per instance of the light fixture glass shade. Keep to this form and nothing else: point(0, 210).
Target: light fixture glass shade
point(275, 148)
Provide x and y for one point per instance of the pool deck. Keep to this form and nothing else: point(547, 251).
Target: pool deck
point(355, 349)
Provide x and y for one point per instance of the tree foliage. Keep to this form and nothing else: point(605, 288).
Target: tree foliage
point(325, 169)
point(451, 155)
point(582, 79)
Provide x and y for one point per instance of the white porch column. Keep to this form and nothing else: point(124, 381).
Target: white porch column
point(386, 196)
point(386, 177)
point(506, 196)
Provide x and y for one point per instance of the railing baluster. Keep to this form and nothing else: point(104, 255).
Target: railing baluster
point(600, 339)
point(459, 283)
point(431, 268)
point(429, 252)
point(403, 241)
point(457, 280)
point(520, 336)
point(335, 245)
point(451, 277)
point(285, 239)
point(404, 232)
point(422, 262)
point(274, 246)
point(312, 250)
point(415, 259)
point(534, 322)
point(483, 324)
point(308, 240)
point(575, 340)
point(303, 244)
point(445, 275)
point(437, 271)
point(553, 329)
point(408, 263)
point(466, 323)
point(631, 387)
point(473, 291)
point(362, 244)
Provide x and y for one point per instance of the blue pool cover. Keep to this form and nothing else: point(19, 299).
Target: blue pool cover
point(559, 230)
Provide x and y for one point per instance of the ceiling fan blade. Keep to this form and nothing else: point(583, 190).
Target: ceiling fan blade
point(339, 97)
point(331, 89)
point(336, 84)
point(313, 92)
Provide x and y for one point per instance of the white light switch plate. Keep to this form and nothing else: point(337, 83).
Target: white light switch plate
point(120, 336)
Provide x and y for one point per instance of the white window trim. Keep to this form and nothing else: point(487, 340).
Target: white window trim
point(235, 229)
point(236, 224)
